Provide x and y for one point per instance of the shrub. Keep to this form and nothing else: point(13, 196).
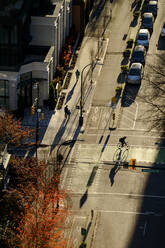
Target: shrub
point(60, 72)
point(61, 101)
point(83, 245)
point(136, 14)
point(138, 2)
point(127, 52)
point(130, 43)
point(52, 100)
point(124, 68)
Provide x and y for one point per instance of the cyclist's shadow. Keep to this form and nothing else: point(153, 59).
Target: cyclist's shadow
point(113, 172)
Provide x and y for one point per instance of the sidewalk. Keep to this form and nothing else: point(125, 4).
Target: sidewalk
point(54, 128)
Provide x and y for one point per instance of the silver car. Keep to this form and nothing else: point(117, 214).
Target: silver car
point(135, 74)
point(143, 38)
point(162, 34)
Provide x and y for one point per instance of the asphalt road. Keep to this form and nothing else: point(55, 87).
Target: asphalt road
point(130, 204)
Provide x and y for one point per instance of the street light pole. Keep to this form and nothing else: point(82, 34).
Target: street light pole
point(81, 98)
point(36, 86)
point(82, 87)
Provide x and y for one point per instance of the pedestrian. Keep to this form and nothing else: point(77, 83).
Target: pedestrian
point(67, 111)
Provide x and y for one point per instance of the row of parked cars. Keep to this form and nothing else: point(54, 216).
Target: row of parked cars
point(149, 14)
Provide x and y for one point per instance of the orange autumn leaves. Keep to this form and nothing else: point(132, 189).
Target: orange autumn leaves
point(43, 221)
point(11, 131)
point(38, 208)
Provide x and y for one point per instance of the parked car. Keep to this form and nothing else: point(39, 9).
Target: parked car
point(162, 34)
point(143, 37)
point(138, 55)
point(152, 7)
point(147, 21)
point(135, 74)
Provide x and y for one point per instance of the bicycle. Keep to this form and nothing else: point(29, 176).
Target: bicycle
point(120, 145)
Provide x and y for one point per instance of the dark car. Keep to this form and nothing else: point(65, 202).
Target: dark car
point(152, 7)
point(147, 21)
point(139, 54)
point(162, 34)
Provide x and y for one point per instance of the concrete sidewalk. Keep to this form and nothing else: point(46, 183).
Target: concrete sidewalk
point(54, 128)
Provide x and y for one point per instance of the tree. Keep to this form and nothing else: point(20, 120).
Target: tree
point(11, 131)
point(154, 93)
point(43, 207)
point(42, 224)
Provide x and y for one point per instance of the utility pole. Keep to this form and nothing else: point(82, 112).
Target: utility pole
point(82, 90)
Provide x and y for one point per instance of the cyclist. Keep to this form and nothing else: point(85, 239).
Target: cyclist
point(122, 141)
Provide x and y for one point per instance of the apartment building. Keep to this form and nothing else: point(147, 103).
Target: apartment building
point(32, 36)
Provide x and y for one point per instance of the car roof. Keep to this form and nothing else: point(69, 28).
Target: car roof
point(153, 3)
point(147, 14)
point(139, 48)
point(136, 66)
point(143, 31)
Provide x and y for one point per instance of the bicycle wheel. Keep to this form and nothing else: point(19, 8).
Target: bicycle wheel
point(117, 155)
point(119, 145)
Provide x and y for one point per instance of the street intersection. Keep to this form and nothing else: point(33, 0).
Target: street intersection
point(128, 204)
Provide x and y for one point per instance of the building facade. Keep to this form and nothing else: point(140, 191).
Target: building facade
point(32, 36)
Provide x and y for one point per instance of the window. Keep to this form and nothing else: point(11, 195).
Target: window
point(4, 93)
point(4, 37)
point(8, 35)
point(14, 35)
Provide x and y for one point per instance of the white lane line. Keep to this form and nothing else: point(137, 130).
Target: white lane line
point(125, 212)
point(118, 194)
point(144, 230)
point(141, 146)
point(136, 113)
point(71, 230)
point(144, 130)
point(64, 178)
point(141, 136)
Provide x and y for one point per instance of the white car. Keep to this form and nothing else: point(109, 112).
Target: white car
point(135, 74)
point(162, 34)
point(143, 38)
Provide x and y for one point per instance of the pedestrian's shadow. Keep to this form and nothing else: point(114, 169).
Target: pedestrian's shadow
point(59, 133)
point(113, 172)
point(77, 131)
point(69, 96)
point(83, 198)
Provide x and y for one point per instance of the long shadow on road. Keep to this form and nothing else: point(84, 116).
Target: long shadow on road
point(150, 224)
point(129, 94)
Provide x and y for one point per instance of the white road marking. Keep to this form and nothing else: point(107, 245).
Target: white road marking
point(144, 130)
point(80, 217)
point(118, 194)
point(144, 230)
point(127, 118)
point(71, 230)
point(130, 112)
point(124, 212)
point(141, 136)
point(64, 178)
point(136, 113)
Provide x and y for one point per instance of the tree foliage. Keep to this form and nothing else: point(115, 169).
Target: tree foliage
point(43, 221)
point(11, 131)
point(38, 208)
